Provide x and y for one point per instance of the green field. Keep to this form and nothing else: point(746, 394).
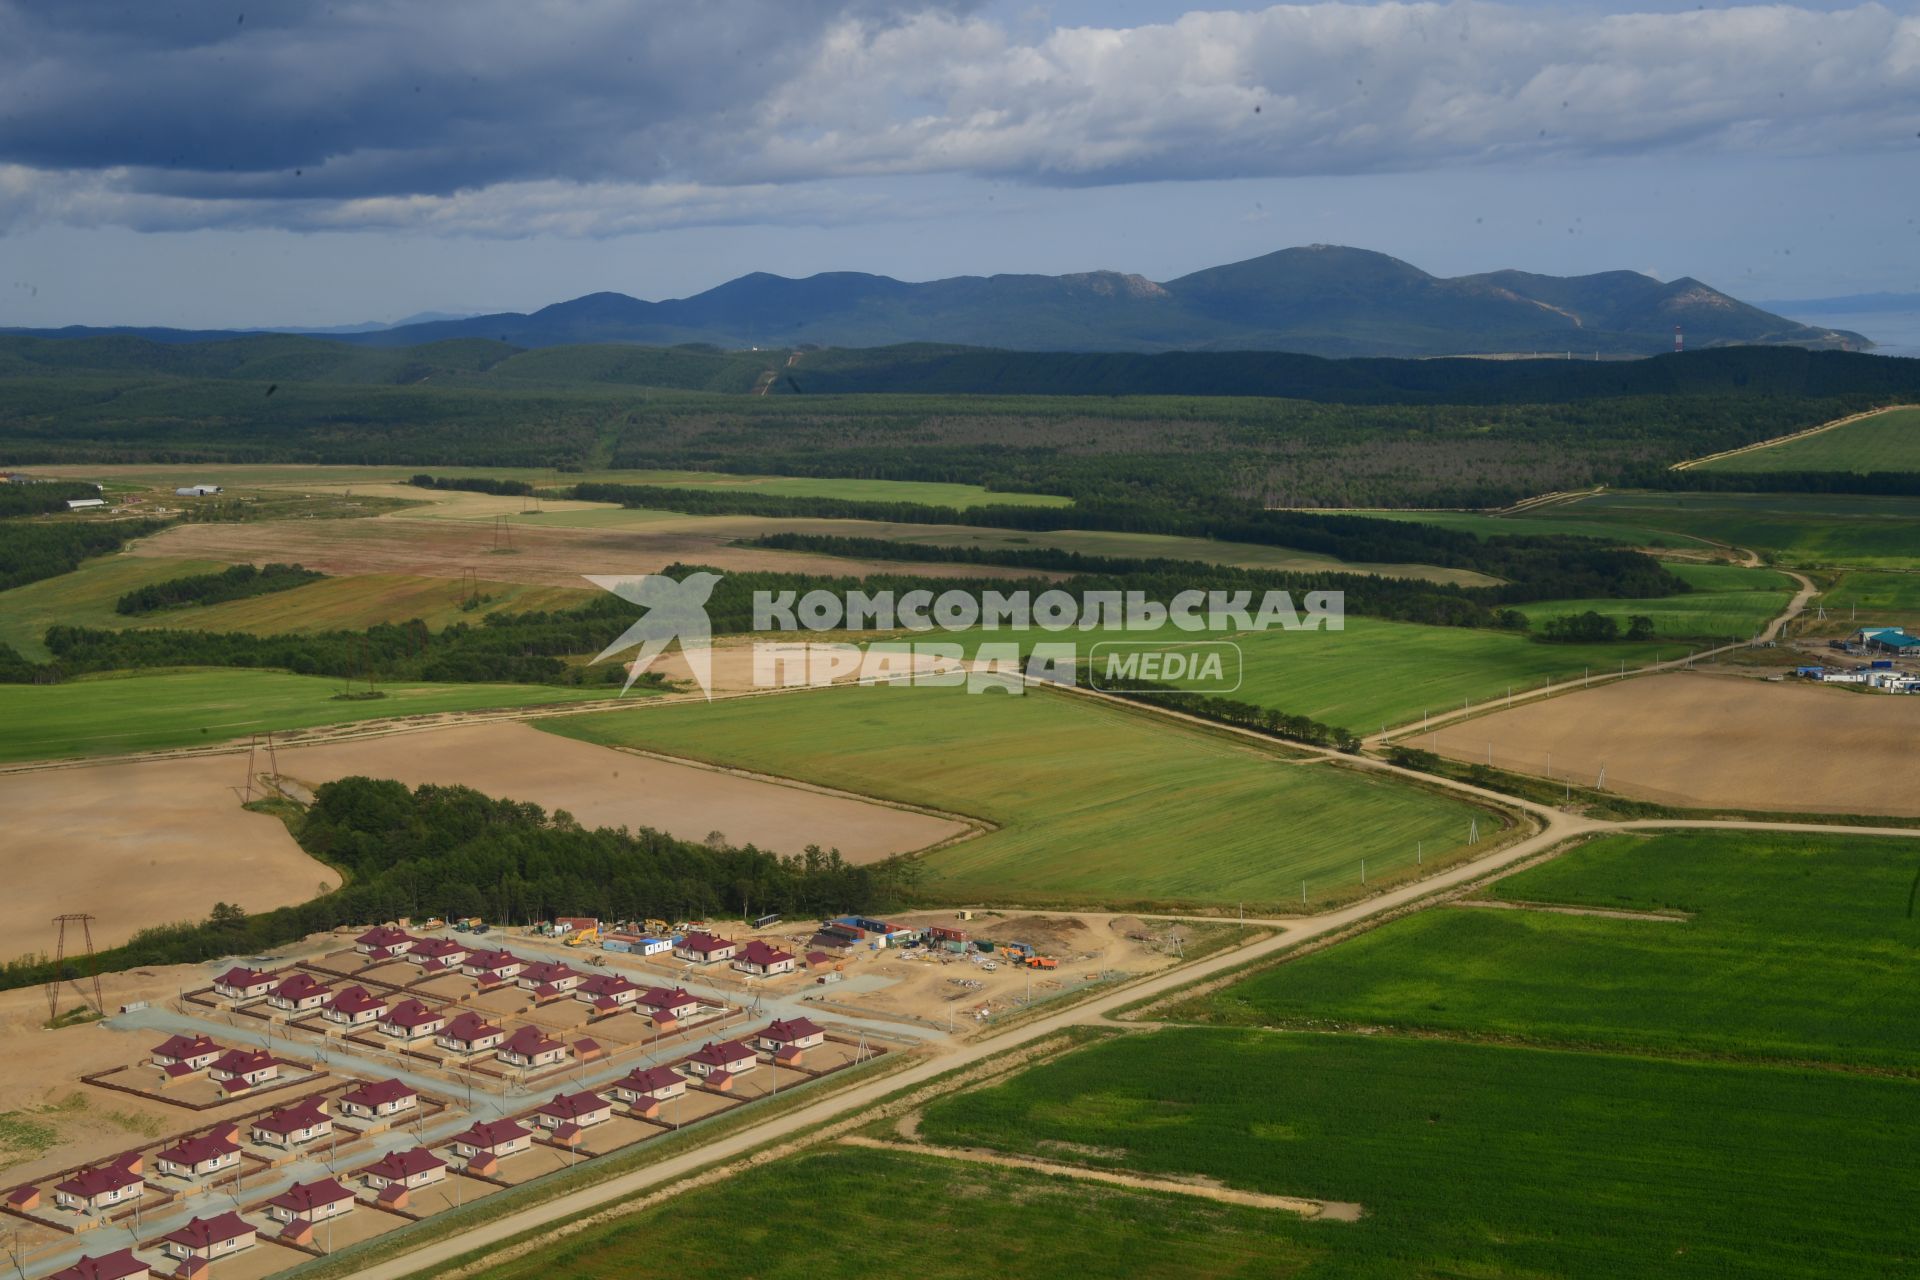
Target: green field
point(1796, 529)
point(1485, 525)
point(1094, 804)
point(1483, 1161)
point(1727, 602)
point(109, 715)
point(1799, 949)
point(84, 598)
point(1377, 672)
point(904, 1214)
point(1890, 598)
point(1887, 441)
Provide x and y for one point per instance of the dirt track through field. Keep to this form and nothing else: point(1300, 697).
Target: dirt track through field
point(1338, 1210)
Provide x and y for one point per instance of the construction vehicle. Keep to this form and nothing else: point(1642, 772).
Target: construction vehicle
point(1016, 950)
point(583, 937)
point(1042, 962)
point(656, 928)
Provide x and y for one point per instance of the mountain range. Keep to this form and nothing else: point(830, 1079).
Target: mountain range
point(1324, 300)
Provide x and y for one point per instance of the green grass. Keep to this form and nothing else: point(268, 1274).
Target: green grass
point(1377, 672)
point(149, 711)
point(83, 598)
point(1890, 598)
point(1726, 602)
point(1094, 803)
point(1796, 529)
point(1486, 1161)
point(1799, 948)
point(1485, 525)
point(871, 1213)
point(1885, 442)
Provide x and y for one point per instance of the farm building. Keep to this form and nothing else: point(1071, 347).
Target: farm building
point(199, 1156)
point(383, 942)
point(414, 1167)
point(704, 948)
point(495, 1138)
point(376, 1099)
point(411, 1020)
point(435, 954)
point(650, 1084)
point(244, 984)
point(354, 1007)
point(729, 1058)
point(299, 994)
point(196, 491)
point(118, 1265)
point(577, 1109)
point(759, 958)
point(100, 1187)
point(194, 1053)
point(794, 1033)
point(1894, 641)
point(548, 978)
point(664, 1005)
point(311, 1202)
point(469, 1033)
point(491, 967)
point(531, 1047)
point(607, 992)
point(213, 1237)
point(86, 504)
point(294, 1126)
point(238, 1069)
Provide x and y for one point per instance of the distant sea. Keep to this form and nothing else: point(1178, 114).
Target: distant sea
point(1895, 333)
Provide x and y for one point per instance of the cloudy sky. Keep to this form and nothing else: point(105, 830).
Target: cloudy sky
point(315, 163)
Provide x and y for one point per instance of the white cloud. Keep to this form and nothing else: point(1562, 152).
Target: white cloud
point(602, 117)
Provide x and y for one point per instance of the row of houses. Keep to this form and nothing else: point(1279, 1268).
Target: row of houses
point(180, 1058)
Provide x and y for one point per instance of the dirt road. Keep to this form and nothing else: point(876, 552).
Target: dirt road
point(1691, 463)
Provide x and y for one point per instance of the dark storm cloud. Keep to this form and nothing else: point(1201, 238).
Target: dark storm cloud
point(596, 116)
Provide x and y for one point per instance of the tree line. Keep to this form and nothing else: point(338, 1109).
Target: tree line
point(235, 583)
point(453, 851)
point(474, 484)
point(42, 497)
point(33, 549)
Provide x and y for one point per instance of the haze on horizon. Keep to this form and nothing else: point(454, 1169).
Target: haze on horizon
point(286, 164)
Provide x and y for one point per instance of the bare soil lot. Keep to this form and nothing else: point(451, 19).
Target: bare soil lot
point(603, 787)
point(1704, 741)
point(139, 845)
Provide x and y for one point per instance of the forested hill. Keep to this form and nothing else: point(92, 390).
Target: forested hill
point(1324, 299)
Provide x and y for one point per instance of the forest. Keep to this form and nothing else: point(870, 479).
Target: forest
point(234, 583)
point(42, 497)
point(34, 549)
point(453, 851)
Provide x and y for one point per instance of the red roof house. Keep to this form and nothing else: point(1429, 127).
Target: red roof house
point(383, 942)
point(580, 1109)
point(199, 1156)
point(650, 1084)
point(727, 1057)
point(98, 1187)
point(238, 1069)
point(758, 957)
point(354, 1007)
point(244, 984)
point(311, 1201)
point(531, 1047)
point(704, 948)
point(796, 1033)
point(411, 1020)
point(665, 1005)
point(300, 1123)
point(377, 1098)
point(415, 1167)
point(118, 1265)
point(548, 978)
point(495, 1138)
point(607, 992)
point(211, 1237)
point(299, 994)
point(434, 954)
point(193, 1052)
point(469, 1033)
point(492, 967)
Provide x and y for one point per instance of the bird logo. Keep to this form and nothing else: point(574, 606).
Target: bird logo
point(675, 611)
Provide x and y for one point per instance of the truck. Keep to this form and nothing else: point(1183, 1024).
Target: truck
point(1042, 962)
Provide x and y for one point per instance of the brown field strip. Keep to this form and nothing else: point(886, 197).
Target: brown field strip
point(1704, 741)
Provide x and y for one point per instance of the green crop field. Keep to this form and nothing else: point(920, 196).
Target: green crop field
point(903, 1214)
point(1485, 525)
point(1799, 947)
point(1375, 672)
point(84, 598)
point(1797, 529)
point(1477, 1160)
point(1891, 598)
point(113, 714)
point(1094, 804)
point(1887, 441)
point(1726, 602)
